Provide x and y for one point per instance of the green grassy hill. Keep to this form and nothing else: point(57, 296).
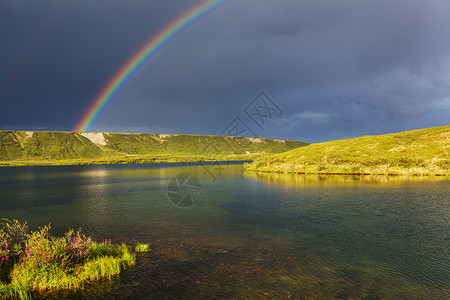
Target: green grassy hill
point(423, 151)
point(69, 148)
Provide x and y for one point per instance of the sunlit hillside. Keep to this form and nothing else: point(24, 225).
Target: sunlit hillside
point(423, 151)
point(66, 148)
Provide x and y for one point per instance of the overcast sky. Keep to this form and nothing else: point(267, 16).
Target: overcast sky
point(335, 69)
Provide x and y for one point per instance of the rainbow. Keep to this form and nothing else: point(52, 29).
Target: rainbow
point(142, 56)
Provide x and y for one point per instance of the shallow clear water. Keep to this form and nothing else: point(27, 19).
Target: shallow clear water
point(249, 236)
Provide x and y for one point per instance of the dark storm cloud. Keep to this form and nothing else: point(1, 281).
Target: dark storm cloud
point(337, 68)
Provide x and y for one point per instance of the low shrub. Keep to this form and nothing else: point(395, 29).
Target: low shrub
point(38, 262)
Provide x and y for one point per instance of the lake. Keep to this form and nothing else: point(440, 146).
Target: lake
point(219, 232)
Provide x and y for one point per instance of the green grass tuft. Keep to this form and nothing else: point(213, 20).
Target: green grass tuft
point(141, 248)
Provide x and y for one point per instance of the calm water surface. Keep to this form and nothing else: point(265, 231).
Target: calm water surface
point(250, 236)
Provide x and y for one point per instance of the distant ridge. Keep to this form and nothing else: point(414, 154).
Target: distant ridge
point(416, 152)
point(19, 148)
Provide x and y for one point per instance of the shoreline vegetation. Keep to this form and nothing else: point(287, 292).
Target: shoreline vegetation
point(52, 148)
point(127, 160)
point(36, 263)
point(417, 152)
